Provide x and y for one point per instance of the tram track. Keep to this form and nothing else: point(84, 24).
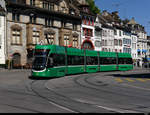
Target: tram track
point(18, 105)
point(50, 100)
point(86, 83)
point(62, 101)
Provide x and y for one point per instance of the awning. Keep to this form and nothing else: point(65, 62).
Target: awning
point(143, 50)
point(97, 28)
point(138, 50)
point(148, 59)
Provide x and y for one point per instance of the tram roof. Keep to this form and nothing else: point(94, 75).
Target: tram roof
point(124, 55)
point(108, 54)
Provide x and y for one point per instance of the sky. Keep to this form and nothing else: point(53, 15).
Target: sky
point(139, 9)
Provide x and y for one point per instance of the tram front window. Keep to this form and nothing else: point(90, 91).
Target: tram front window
point(40, 59)
point(39, 63)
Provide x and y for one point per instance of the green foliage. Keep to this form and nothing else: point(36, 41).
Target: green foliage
point(93, 7)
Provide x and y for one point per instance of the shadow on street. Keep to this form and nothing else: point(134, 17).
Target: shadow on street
point(41, 78)
point(146, 75)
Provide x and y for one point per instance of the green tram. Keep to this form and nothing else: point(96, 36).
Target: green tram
point(57, 61)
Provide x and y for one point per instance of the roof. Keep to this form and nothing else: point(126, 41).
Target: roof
point(132, 21)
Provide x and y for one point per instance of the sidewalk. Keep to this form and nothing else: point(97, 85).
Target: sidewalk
point(140, 68)
point(13, 70)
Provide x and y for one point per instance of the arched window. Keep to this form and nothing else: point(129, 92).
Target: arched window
point(63, 7)
point(16, 60)
point(16, 35)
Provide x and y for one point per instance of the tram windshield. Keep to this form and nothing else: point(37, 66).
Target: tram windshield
point(40, 59)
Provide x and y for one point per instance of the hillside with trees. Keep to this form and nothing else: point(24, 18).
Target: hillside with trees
point(93, 7)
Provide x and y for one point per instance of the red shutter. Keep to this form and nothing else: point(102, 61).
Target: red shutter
point(89, 23)
point(92, 22)
point(88, 32)
point(85, 21)
point(85, 31)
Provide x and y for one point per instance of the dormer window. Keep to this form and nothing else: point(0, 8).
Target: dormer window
point(32, 2)
point(48, 5)
point(85, 9)
point(48, 22)
point(15, 17)
point(32, 19)
point(63, 7)
point(72, 12)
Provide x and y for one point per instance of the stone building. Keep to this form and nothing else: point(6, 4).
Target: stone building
point(112, 36)
point(31, 22)
point(87, 26)
point(2, 32)
point(141, 40)
point(148, 48)
point(98, 33)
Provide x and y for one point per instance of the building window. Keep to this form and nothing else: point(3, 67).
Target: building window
point(87, 32)
point(115, 32)
point(32, 2)
point(36, 37)
point(32, 19)
point(97, 33)
point(74, 26)
point(115, 42)
point(48, 6)
point(85, 9)
point(0, 41)
point(49, 22)
point(102, 42)
point(49, 38)
point(120, 42)
point(120, 33)
point(51, 6)
point(66, 40)
point(97, 43)
point(75, 42)
point(63, 24)
point(15, 17)
point(105, 42)
point(16, 37)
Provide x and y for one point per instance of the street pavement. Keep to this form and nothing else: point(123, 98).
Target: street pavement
point(102, 92)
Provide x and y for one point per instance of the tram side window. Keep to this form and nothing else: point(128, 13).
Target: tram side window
point(58, 59)
point(107, 60)
point(125, 61)
point(75, 60)
point(91, 60)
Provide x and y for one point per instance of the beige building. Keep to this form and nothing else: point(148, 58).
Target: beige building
point(31, 22)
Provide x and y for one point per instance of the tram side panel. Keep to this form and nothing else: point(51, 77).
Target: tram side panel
point(91, 61)
point(108, 61)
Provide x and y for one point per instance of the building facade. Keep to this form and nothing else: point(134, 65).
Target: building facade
point(98, 34)
point(87, 26)
point(141, 41)
point(31, 22)
point(107, 38)
point(134, 48)
point(2, 32)
point(118, 39)
point(127, 42)
point(148, 48)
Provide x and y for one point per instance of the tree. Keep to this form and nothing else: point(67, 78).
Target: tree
point(93, 7)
